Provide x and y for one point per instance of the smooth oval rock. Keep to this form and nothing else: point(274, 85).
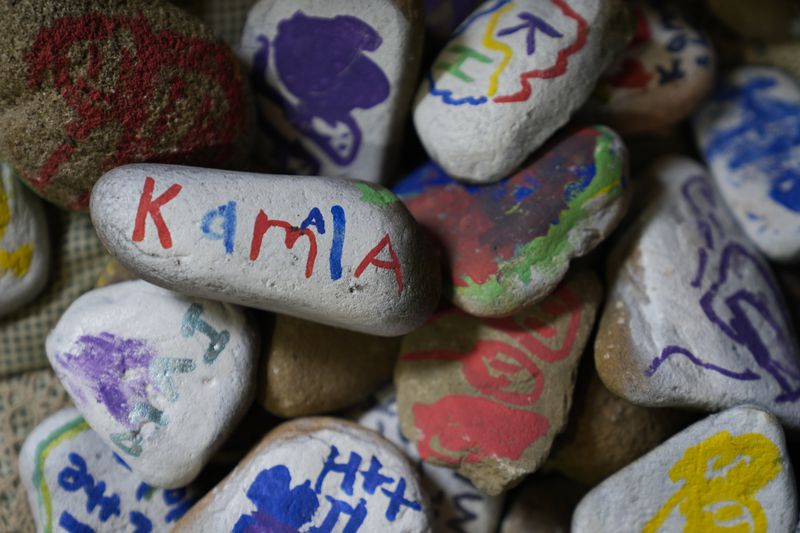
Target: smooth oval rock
point(694, 317)
point(316, 474)
point(511, 75)
point(486, 397)
point(334, 81)
point(768, 20)
point(508, 245)
point(161, 377)
point(77, 483)
point(24, 243)
point(343, 253)
point(749, 133)
point(729, 471)
point(90, 85)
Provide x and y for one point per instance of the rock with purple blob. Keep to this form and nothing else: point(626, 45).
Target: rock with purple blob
point(163, 378)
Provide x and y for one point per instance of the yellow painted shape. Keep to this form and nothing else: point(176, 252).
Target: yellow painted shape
point(721, 476)
point(493, 44)
point(19, 261)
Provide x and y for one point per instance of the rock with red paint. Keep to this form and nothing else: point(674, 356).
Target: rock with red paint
point(340, 252)
point(24, 243)
point(333, 81)
point(663, 75)
point(161, 377)
point(507, 245)
point(88, 85)
point(316, 474)
point(694, 317)
point(512, 74)
point(488, 396)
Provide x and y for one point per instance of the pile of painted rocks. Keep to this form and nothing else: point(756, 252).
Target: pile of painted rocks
point(564, 298)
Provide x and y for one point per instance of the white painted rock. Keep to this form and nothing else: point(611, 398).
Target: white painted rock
point(344, 253)
point(749, 133)
point(456, 504)
point(24, 243)
point(511, 75)
point(333, 82)
point(694, 317)
point(162, 378)
point(76, 482)
point(728, 472)
point(316, 474)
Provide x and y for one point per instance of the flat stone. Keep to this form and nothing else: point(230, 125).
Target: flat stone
point(511, 75)
point(311, 368)
point(729, 471)
point(748, 135)
point(76, 482)
point(509, 244)
point(486, 397)
point(343, 253)
point(542, 503)
point(661, 77)
point(316, 473)
point(455, 502)
point(24, 243)
point(694, 318)
point(161, 377)
point(767, 20)
point(333, 81)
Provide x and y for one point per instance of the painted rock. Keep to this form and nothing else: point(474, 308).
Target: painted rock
point(162, 378)
point(663, 75)
point(748, 132)
point(77, 483)
point(334, 81)
point(316, 474)
point(455, 502)
point(511, 75)
point(24, 243)
point(509, 244)
point(487, 397)
point(443, 16)
point(542, 504)
point(89, 86)
point(694, 317)
point(769, 20)
point(189, 229)
point(729, 471)
point(311, 368)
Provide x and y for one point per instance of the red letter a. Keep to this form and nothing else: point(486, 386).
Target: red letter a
point(153, 207)
point(372, 259)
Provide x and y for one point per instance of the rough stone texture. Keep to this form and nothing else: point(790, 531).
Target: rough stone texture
point(303, 472)
point(769, 20)
point(507, 245)
point(162, 378)
point(542, 504)
point(487, 397)
point(694, 317)
point(727, 471)
point(361, 262)
point(511, 75)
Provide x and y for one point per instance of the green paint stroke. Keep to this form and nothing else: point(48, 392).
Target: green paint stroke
point(375, 195)
point(546, 253)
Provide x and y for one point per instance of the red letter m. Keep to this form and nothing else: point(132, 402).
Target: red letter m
point(262, 225)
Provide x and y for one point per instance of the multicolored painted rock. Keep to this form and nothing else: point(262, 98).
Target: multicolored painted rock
point(542, 503)
point(694, 317)
point(88, 86)
point(316, 474)
point(509, 244)
point(729, 471)
point(663, 75)
point(455, 502)
point(77, 483)
point(162, 378)
point(343, 253)
point(334, 81)
point(765, 20)
point(488, 396)
point(24, 243)
point(749, 133)
point(512, 74)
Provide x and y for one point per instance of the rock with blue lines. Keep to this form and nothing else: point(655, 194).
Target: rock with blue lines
point(330, 250)
point(162, 378)
point(749, 132)
point(512, 74)
point(316, 474)
point(694, 317)
point(75, 482)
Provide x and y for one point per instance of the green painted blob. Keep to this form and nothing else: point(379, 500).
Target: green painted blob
point(375, 195)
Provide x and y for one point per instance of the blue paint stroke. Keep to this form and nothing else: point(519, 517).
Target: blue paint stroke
point(339, 228)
